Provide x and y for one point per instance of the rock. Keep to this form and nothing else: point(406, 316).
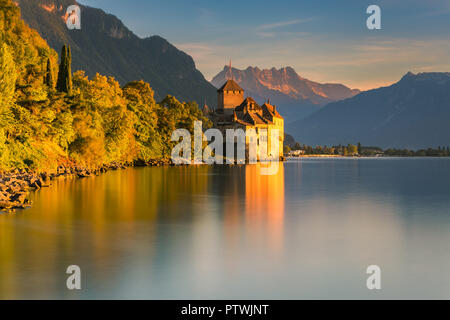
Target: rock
point(24, 205)
point(35, 183)
point(83, 174)
point(45, 179)
point(4, 196)
point(139, 163)
point(5, 205)
point(13, 189)
point(19, 198)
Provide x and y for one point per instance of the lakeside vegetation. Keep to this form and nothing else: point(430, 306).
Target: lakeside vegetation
point(430, 152)
point(350, 150)
point(50, 117)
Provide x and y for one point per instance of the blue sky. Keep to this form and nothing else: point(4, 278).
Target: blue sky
point(325, 41)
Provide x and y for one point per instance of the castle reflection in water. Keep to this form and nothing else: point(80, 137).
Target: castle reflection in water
point(102, 222)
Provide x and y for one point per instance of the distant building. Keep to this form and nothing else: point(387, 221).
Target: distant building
point(296, 153)
point(206, 110)
point(235, 112)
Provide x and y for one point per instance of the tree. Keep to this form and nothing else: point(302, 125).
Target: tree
point(141, 103)
point(286, 149)
point(359, 148)
point(48, 78)
point(8, 77)
point(64, 83)
point(352, 149)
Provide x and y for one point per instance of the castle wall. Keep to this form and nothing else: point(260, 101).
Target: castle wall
point(229, 100)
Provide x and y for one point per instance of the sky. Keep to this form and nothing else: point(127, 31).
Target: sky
point(325, 41)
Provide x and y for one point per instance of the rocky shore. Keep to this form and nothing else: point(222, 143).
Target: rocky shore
point(16, 185)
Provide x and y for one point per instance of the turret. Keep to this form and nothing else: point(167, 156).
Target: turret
point(230, 96)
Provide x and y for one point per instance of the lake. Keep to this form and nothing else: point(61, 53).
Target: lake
point(227, 232)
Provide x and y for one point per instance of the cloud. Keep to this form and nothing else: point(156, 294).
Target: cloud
point(272, 30)
point(358, 63)
point(282, 34)
point(281, 24)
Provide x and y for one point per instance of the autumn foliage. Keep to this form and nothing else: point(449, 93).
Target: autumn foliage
point(89, 122)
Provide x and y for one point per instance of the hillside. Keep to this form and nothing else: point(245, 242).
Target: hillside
point(50, 118)
point(412, 113)
point(105, 45)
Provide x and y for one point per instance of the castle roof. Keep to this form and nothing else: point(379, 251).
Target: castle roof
point(270, 110)
point(251, 113)
point(230, 85)
point(250, 103)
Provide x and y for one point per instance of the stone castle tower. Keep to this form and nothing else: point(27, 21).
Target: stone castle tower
point(235, 112)
point(230, 95)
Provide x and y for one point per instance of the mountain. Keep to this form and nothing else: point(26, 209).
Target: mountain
point(296, 97)
point(412, 113)
point(105, 45)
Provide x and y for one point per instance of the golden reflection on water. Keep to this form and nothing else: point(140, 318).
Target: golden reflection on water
point(264, 207)
point(96, 220)
point(93, 220)
point(7, 257)
point(253, 214)
point(228, 231)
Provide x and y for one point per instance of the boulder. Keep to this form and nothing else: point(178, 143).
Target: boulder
point(19, 198)
point(45, 179)
point(83, 173)
point(5, 205)
point(35, 183)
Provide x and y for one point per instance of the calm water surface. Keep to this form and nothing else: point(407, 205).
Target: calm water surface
point(229, 233)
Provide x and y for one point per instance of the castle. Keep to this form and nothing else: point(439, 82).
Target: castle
point(236, 112)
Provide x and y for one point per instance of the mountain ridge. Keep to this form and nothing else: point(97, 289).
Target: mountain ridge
point(286, 81)
point(412, 113)
point(105, 45)
point(297, 97)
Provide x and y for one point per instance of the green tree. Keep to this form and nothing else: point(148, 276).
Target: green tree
point(48, 78)
point(141, 102)
point(64, 83)
point(352, 149)
point(286, 149)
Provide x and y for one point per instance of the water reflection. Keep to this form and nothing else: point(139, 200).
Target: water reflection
point(230, 232)
point(93, 221)
point(264, 207)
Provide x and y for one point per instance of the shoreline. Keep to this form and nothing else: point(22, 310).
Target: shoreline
point(363, 157)
point(16, 185)
point(319, 156)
